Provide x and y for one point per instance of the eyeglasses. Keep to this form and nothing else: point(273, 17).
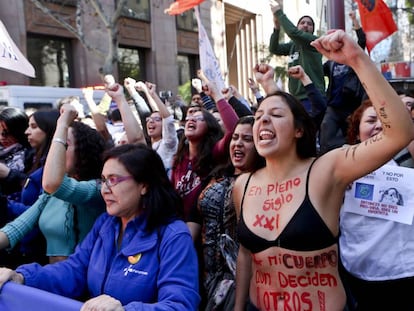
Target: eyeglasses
point(194, 118)
point(192, 110)
point(113, 180)
point(154, 119)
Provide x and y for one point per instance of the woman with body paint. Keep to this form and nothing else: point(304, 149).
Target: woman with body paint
point(289, 210)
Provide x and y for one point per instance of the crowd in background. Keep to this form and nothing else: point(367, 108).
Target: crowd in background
point(223, 203)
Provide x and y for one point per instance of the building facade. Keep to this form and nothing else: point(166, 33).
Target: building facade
point(153, 46)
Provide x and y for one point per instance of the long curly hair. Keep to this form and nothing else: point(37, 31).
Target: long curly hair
point(89, 147)
point(204, 161)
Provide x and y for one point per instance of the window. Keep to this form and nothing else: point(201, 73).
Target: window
point(131, 63)
point(187, 21)
point(36, 106)
point(138, 9)
point(183, 69)
point(187, 68)
point(52, 58)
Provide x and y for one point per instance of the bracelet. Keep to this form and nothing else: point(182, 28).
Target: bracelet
point(61, 141)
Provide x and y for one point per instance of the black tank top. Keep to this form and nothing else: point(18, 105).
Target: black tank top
point(306, 230)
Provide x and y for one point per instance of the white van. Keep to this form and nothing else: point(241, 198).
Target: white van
point(32, 98)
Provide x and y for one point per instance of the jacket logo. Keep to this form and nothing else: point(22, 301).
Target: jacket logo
point(293, 57)
point(134, 259)
point(132, 270)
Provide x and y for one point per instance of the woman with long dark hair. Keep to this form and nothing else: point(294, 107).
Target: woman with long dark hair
point(65, 215)
point(218, 234)
point(39, 132)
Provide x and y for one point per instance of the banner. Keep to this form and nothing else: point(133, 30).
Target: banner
point(386, 193)
point(208, 61)
point(17, 297)
point(180, 6)
point(10, 56)
point(376, 21)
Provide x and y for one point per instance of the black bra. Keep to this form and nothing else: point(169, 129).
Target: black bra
point(306, 230)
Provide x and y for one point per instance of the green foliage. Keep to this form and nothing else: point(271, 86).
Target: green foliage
point(280, 72)
point(409, 4)
point(128, 70)
point(263, 49)
point(184, 91)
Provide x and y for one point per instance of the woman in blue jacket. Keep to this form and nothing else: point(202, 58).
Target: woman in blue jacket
point(138, 255)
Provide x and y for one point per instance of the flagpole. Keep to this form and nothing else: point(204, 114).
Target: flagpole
point(336, 15)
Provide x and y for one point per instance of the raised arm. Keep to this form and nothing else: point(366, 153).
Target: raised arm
point(264, 75)
point(317, 99)
point(55, 166)
point(208, 102)
point(397, 126)
point(234, 98)
point(294, 33)
point(132, 128)
point(97, 117)
point(226, 111)
point(150, 90)
point(169, 134)
point(228, 115)
point(362, 39)
point(254, 87)
point(142, 107)
point(275, 46)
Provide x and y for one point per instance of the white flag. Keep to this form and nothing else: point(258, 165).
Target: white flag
point(208, 61)
point(10, 56)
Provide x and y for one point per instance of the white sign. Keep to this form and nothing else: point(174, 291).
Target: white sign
point(386, 193)
point(10, 56)
point(208, 61)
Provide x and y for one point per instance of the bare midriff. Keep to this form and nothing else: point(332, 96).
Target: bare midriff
point(283, 279)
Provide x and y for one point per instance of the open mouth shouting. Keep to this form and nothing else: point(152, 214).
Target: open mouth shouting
point(265, 136)
point(238, 155)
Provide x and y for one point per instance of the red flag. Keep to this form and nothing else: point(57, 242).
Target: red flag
point(180, 6)
point(376, 20)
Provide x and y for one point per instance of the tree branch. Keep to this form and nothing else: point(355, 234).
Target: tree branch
point(78, 19)
point(99, 9)
point(78, 33)
point(118, 11)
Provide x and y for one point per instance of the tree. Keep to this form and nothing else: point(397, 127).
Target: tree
point(106, 18)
